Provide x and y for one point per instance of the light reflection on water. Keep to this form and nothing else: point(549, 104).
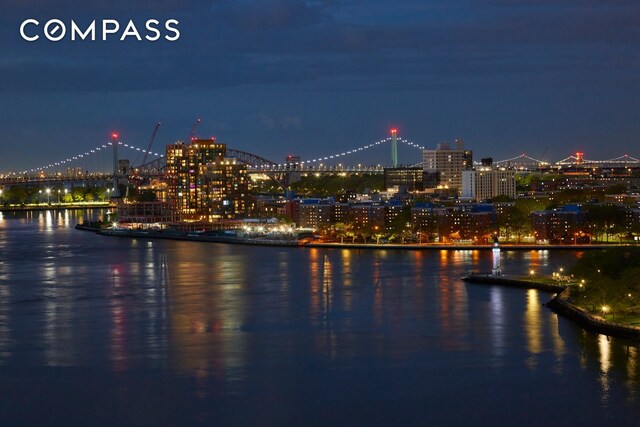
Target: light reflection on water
point(498, 324)
point(533, 326)
point(235, 319)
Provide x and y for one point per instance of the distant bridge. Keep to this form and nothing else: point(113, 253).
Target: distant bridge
point(76, 168)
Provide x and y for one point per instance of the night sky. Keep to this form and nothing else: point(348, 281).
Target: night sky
point(279, 77)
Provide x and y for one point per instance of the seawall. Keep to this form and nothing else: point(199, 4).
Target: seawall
point(561, 305)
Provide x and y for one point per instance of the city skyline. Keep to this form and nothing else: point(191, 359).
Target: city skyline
point(288, 76)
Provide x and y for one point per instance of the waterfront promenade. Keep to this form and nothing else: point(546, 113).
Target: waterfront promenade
point(283, 241)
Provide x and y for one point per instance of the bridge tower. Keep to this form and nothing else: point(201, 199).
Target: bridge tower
point(114, 140)
point(394, 148)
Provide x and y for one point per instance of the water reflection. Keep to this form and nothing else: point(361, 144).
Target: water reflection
point(557, 342)
point(498, 324)
point(206, 320)
point(377, 293)
point(226, 318)
point(5, 316)
point(454, 314)
point(347, 279)
point(118, 333)
point(328, 337)
point(533, 327)
point(604, 345)
point(632, 373)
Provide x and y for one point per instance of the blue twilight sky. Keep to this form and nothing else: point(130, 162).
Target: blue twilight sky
point(312, 77)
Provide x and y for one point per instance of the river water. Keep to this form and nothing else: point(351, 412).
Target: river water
point(114, 331)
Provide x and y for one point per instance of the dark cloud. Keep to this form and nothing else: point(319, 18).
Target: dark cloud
point(268, 15)
point(343, 50)
point(98, 7)
point(273, 41)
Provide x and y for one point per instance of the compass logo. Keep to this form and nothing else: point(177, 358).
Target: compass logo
point(56, 30)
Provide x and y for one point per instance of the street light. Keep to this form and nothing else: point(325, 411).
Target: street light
point(532, 273)
point(48, 196)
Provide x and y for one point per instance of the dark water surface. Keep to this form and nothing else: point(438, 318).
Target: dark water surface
point(111, 331)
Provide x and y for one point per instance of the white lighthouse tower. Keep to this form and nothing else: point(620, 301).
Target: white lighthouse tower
point(496, 258)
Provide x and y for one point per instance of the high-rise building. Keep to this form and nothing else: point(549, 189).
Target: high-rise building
point(447, 164)
point(486, 183)
point(204, 184)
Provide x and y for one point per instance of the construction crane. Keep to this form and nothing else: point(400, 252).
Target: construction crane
point(543, 154)
point(194, 129)
point(136, 171)
point(153, 138)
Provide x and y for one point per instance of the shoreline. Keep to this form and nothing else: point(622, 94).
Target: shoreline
point(561, 305)
point(54, 207)
point(439, 246)
point(146, 234)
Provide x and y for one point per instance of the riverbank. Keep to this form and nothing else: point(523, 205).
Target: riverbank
point(204, 237)
point(55, 207)
point(442, 246)
point(561, 304)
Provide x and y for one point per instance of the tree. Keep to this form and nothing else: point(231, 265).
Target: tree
point(611, 278)
point(350, 231)
point(340, 231)
point(605, 220)
point(17, 195)
point(326, 185)
point(378, 233)
point(78, 194)
point(427, 229)
point(505, 221)
point(401, 224)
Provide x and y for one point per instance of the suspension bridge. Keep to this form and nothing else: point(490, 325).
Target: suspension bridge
point(102, 161)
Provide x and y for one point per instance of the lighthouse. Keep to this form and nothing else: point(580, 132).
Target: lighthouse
point(495, 271)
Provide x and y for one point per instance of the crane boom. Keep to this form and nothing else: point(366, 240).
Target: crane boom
point(543, 153)
point(153, 138)
point(194, 129)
